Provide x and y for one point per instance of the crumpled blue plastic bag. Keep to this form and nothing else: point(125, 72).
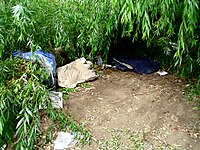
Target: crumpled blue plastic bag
point(47, 59)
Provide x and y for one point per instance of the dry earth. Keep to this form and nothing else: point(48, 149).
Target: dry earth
point(151, 105)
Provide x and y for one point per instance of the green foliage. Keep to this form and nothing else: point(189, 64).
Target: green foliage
point(22, 97)
point(122, 139)
point(125, 139)
point(164, 23)
point(89, 27)
point(79, 27)
point(83, 28)
point(84, 85)
point(193, 92)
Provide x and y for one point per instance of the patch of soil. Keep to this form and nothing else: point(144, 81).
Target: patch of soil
point(151, 104)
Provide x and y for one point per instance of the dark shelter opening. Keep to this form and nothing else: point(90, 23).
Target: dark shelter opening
point(136, 57)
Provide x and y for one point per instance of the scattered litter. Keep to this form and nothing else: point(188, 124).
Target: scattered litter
point(64, 140)
point(135, 96)
point(99, 60)
point(76, 72)
point(48, 61)
point(138, 65)
point(56, 99)
point(123, 66)
point(162, 73)
point(109, 66)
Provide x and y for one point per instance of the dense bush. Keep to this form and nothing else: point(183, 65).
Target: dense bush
point(23, 97)
point(79, 27)
point(84, 28)
point(89, 27)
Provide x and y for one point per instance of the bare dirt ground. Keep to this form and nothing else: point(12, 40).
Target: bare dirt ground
point(151, 105)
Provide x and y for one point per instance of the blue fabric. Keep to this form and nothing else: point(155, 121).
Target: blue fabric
point(48, 60)
point(139, 65)
point(24, 55)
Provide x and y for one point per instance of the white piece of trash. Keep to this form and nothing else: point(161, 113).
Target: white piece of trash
point(64, 140)
point(162, 73)
point(56, 99)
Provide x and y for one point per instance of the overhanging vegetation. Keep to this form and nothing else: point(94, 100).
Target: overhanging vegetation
point(86, 28)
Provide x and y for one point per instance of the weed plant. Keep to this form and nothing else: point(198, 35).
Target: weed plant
point(193, 92)
point(125, 139)
point(22, 98)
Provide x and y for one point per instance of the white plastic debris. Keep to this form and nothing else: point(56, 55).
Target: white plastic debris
point(56, 99)
point(64, 140)
point(110, 66)
point(162, 73)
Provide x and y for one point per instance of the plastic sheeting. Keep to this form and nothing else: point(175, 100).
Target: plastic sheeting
point(65, 140)
point(47, 59)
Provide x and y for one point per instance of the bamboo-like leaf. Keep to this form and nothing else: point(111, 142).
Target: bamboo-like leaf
point(1, 126)
point(27, 117)
point(19, 123)
point(147, 18)
point(84, 28)
point(29, 112)
point(25, 127)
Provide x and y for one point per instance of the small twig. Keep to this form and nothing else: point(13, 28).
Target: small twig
point(170, 67)
point(135, 96)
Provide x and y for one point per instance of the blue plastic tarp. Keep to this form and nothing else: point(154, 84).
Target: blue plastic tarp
point(47, 59)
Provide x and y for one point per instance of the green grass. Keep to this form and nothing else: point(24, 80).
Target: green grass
point(193, 93)
point(125, 139)
point(84, 85)
point(121, 140)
